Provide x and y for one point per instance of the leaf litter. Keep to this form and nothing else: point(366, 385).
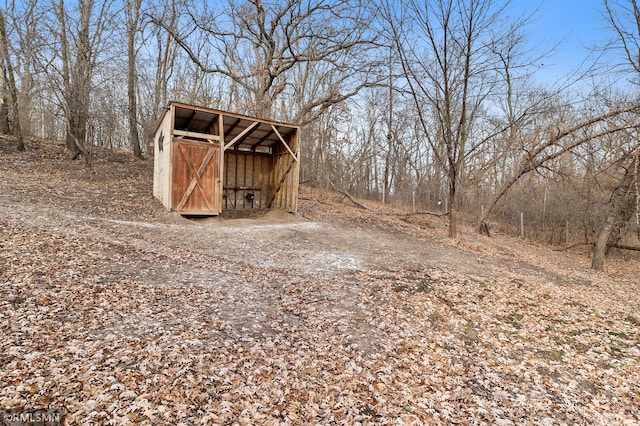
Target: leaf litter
point(124, 314)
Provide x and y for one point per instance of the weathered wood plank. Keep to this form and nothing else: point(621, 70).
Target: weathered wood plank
point(286, 145)
point(203, 178)
point(242, 134)
point(188, 134)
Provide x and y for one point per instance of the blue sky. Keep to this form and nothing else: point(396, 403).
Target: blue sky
point(575, 26)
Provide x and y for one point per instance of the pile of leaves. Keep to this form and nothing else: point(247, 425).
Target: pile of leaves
point(105, 312)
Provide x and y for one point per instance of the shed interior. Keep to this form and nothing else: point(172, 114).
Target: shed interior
point(258, 168)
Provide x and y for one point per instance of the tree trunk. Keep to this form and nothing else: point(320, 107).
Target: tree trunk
point(11, 83)
point(4, 103)
point(385, 184)
point(626, 212)
point(72, 149)
point(133, 109)
point(452, 207)
point(133, 9)
point(619, 200)
point(77, 79)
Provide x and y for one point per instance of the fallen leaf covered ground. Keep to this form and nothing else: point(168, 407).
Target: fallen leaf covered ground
point(122, 313)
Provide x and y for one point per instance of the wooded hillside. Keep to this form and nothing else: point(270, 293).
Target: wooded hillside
point(418, 104)
point(119, 312)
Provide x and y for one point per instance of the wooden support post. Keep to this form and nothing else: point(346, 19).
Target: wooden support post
point(242, 135)
point(286, 145)
point(221, 178)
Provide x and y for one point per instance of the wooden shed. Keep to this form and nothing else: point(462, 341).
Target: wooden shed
point(207, 161)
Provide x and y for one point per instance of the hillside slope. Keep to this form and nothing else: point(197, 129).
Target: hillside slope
point(116, 310)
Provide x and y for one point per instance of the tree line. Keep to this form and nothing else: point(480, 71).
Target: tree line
point(430, 103)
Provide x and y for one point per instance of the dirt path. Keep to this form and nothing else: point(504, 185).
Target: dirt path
point(289, 248)
point(302, 247)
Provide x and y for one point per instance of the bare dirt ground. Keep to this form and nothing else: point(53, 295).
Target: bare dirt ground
point(122, 313)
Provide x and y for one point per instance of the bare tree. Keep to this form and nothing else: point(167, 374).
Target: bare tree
point(451, 78)
point(260, 46)
point(159, 52)
point(79, 42)
point(132, 12)
point(621, 196)
point(4, 102)
point(11, 82)
point(24, 18)
point(76, 77)
point(554, 143)
point(624, 18)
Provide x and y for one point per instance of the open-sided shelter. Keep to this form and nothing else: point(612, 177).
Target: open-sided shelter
point(207, 161)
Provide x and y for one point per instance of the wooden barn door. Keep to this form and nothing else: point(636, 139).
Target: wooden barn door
point(196, 172)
